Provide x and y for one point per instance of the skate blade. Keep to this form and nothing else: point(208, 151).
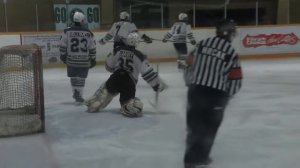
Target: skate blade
point(79, 103)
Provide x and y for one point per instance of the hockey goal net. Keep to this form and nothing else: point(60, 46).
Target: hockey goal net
point(21, 90)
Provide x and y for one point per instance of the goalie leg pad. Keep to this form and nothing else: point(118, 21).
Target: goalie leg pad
point(133, 108)
point(99, 100)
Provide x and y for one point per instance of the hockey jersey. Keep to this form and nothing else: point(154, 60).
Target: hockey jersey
point(179, 32)
point(119, 31)
point(78, 46)
point(134, 62)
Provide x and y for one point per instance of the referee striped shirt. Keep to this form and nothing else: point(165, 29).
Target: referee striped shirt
point(216, 65)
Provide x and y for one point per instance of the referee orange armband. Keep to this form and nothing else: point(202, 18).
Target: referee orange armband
point(235, 74)
point(189, 59)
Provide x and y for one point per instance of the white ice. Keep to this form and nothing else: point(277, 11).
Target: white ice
point(260, 128)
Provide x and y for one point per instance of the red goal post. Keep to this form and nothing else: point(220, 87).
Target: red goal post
point(21, 90)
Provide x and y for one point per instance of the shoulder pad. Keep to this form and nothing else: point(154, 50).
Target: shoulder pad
point(140, 55)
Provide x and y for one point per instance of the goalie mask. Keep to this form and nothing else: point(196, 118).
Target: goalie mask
point(133, 39)
point(183, 17)
point(125, 16)
point(226, 29)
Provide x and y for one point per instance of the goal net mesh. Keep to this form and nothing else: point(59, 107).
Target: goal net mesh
point(21, 90)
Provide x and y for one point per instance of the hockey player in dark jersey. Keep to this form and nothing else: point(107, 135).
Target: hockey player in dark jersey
point(216, 77)
point(180, 31)
point(120, 31)
point(78, 52)
point(125, 66)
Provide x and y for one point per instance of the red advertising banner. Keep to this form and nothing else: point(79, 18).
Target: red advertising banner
point(270, 40)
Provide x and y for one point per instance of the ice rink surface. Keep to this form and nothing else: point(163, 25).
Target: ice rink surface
point(260, 128)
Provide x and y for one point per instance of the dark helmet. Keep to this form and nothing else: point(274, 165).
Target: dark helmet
point(226, 29)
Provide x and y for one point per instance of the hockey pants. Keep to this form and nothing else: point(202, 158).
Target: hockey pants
point(121, 82)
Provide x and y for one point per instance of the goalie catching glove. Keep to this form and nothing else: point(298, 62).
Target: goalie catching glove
point(154, 80)
point(159, 87)
point(146, 38)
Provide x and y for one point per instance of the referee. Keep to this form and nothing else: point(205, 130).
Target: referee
point(216, 76)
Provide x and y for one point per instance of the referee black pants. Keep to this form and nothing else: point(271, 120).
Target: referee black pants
point(204, 115)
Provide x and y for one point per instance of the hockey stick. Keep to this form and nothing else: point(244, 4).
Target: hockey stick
point(167, 40)
point(144, 40)
point(141, 41)
point(156, 39)
point(156, 95)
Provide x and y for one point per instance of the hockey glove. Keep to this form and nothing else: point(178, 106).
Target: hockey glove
point(159, 87)
point(93, 63)
point(63, 58)
point(146, 38)
point(101, 41)
point(193, 42)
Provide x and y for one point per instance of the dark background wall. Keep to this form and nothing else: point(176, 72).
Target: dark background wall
point(38, 15)
point(21, 15)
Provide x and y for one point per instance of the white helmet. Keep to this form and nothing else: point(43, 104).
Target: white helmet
point(183, 17)
point(124, 16)
point(133, 39)
point(78, 17)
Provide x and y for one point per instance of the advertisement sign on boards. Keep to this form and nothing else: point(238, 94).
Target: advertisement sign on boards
point(267, 40)
point(49, 44)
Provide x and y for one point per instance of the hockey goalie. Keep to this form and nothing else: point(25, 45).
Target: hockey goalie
point(125, 65)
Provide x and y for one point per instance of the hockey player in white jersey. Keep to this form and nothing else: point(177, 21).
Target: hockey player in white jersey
point(78, 52)
point(179, 32)
point(126, 66)
point(120, 31)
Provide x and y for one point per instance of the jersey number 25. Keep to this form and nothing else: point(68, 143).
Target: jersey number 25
point(126, 64)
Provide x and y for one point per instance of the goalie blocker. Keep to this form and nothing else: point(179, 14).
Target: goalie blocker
point(125, 66)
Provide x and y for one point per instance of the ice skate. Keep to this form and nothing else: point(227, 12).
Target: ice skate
point(205, 164)
point(78, 98)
